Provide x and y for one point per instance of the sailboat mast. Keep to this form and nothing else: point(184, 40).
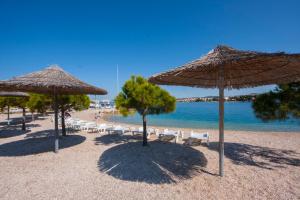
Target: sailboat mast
point(117, 79)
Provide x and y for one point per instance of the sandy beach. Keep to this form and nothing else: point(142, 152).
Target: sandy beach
point(100, 166)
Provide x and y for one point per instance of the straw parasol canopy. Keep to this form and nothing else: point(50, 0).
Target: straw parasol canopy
point(226, 67)
point(14, 94)
point(241, 69)
point(52, 80)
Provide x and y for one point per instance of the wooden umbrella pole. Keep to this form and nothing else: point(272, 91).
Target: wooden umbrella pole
point(221, 123)
point(56, 123)
point(221, 131)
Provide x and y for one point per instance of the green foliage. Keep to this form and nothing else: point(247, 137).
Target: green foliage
point(39, 102)
point(4, 101)
point(279, 104)
point(13, 102)
point(144, 97)
point(76, 102)
point(80, 102)
point(20, 102)
point(68, 102)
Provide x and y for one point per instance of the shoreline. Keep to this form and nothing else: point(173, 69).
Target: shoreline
point(105, 119)
point(107, 115)
point(239, 116)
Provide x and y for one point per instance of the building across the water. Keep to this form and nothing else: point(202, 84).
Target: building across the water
point(101, 104)
point(249, 97)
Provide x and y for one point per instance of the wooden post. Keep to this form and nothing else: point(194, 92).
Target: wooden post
point(221, 122)
point(56, 124)
point(221, 131)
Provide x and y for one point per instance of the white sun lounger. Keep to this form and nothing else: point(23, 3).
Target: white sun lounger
point(89, 126)
point(118, 129)
point(199, 136)
point(167, 132)
point(136, 130)
point(102, 128)
point(78, 124)
point(140, 130)
point(69, 122)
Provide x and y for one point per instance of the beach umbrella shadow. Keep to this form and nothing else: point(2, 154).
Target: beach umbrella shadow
point(155, 164)
point(262, 157)
point(42, 142)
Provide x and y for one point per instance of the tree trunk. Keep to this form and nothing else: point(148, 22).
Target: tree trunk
point(32, 116)
point(8, 122)
point(24, 120)
point(145, 142)
point(63, 126)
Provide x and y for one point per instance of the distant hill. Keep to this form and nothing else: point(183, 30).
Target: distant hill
point(248, 97)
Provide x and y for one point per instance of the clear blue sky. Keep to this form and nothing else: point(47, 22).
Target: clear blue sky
point(89, 38)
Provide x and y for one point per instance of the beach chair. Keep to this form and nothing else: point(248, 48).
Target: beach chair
point(167, 132)
point(79, 124)
point(150, 131)
point(69, 122)
point(90, 126)
point(8, 121)
point(140, 130)
point(118, 129)
point(102, 128)
point(72, 123)
point(199, 136)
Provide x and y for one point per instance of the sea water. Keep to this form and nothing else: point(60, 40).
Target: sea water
point(204, 115)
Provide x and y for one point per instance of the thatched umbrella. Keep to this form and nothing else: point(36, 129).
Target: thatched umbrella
point(14, 94)
point(52, 80)
point(226, 67)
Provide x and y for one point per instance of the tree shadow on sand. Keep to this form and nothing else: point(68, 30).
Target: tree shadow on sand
point(157, 163)
point(38, 142)
point(263, 157)
point(116, 139)
point(15, 130)
point(28, 119)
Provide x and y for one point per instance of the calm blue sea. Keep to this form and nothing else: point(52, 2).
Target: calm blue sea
point(238, 116)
